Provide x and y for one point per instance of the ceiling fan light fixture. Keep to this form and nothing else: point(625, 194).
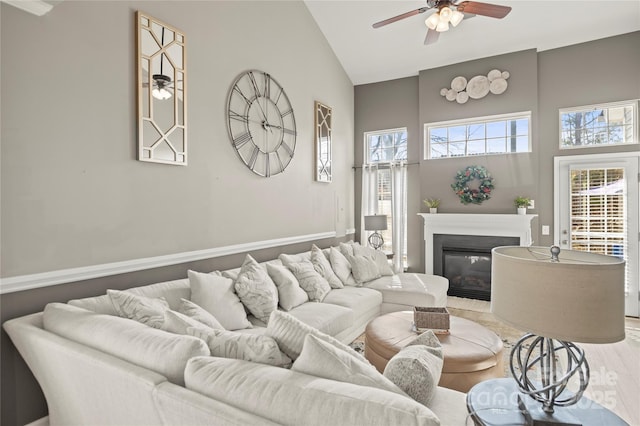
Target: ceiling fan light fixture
point(432, 21)
point(442, 27)
point(445, 14)
point(456, 18)
point(160, 92)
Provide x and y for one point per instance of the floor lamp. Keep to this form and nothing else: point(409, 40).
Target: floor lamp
point(557, 297)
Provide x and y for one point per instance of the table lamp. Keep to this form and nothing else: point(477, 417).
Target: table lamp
point(375, 223)
point(557, 297)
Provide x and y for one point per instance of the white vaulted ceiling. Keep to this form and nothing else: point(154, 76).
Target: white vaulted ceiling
point(397, 50)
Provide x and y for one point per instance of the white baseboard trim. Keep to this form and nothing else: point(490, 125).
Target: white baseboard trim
point(62, 276)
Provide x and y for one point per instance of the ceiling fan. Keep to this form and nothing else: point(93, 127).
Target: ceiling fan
point(448, 12)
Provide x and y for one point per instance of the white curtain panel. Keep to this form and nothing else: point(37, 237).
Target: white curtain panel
point(399, 212)
point(369, 204)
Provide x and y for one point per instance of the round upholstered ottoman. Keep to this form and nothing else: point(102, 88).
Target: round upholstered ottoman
point(472, 353)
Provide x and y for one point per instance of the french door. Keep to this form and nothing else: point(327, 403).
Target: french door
point(596, 210)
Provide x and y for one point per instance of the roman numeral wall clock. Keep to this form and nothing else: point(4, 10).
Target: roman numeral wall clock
point(261, 123)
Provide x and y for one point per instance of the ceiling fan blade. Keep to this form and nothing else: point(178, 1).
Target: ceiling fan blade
point(399, 17)
point(432, 37)
point(484, 9)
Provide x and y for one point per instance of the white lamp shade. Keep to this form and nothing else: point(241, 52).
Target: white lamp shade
point(375, 223)
point(445, 14)
point(442, 26)
point(580, 298)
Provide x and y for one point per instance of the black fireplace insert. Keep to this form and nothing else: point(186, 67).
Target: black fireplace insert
point(466, 261)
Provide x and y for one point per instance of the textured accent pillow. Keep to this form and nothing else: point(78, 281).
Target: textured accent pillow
point(322, 266)
point(290, 333)
point(199, 314)
point(378, 257)
point(346, 248)
point(290, 294)
point(312, 282)
point(249, 347)
point(215, 295)
point(146, 310)
point(321, 359)
point(177, 323)
point(364, 268)
point(341, 267)
point(256, 289)
point(416, 369)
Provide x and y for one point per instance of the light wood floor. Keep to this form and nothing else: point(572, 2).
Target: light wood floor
point(615, 368)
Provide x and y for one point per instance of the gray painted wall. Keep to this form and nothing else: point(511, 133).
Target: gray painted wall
point(600, 71)
point(73, 193)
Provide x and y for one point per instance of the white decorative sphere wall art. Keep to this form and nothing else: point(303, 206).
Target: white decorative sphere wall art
point(477, 87)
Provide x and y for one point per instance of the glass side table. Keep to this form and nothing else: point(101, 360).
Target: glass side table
point(498, 402)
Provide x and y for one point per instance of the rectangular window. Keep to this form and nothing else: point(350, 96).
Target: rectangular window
point(598, 125)
point(385, 149)
point(386, 146)
point(500, 134)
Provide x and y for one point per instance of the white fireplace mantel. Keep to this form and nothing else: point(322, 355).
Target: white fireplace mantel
point(498, 225)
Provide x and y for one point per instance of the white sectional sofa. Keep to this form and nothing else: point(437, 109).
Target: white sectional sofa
point(96, 367)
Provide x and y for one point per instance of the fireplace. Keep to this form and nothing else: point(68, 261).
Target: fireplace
point(466, 261)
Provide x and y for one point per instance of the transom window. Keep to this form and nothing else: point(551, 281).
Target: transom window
point(499, 134)
point(597, 125)
point(386, 146)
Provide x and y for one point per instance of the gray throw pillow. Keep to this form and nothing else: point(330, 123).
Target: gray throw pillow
point(416, 369)
point(256, 289)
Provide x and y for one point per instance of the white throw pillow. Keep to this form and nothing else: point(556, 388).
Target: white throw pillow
point(177, 323)
point(341, 267)
point(290, 333)
point(380, 259)
point(364, 268)
point(347, 248)
point(256, 289)
point(199, 314)
point(417, 368)
point(215, 294)
point(321, 359)
point(312, 282)
point(146, 310)
point(322, 265)
point(290, 294)
point(249, 347)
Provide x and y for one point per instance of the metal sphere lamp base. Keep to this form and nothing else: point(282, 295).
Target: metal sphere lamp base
point(543, 368)
point(375, 240)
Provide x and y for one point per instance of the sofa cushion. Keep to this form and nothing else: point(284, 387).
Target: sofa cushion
point(256, 289)
point(290, 294)
point(323, 267)
point(249, 347)
point(146, 310)
point(328, 318)
point(416, 369)
point(310, 281)
point(293, 398)
point(412, 289)
point(190, 309)
point(359, 299)
point(159, 351)
point(341, 267)
point(321, 359)
point(289, 332)
point(216, 295)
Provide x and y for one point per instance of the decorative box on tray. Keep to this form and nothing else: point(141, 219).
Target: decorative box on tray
point(427, 318)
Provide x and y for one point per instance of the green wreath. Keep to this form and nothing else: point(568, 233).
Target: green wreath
point(468, 195)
